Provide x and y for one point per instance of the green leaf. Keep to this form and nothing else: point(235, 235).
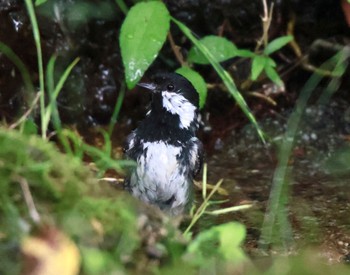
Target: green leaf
point(270, 62)
point(227, 238)
point(142, 35)
point(40, 2)
point(197, 81)
point(258, 65)
point(29, 127)
point(273, 75)
point(278, 43)
point(231, 237)
point(245, 53)
point(219, 47)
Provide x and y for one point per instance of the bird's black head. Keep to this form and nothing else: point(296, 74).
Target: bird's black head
point(174, 94)
point(177, 84)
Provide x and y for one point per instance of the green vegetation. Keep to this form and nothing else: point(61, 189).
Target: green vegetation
point(143, 35)
point(276, 217)
point(42, 188)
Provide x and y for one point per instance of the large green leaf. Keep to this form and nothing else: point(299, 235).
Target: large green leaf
point(197, 81)
point(142, 35)
point(219, 47)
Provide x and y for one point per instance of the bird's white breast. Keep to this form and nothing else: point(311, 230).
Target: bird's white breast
point(158, 169)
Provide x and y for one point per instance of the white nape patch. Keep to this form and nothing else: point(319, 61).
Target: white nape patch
point(179, 105)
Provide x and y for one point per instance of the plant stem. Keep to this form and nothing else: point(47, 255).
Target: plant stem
point(36, 35)
point(176, 50)
point(202, 207)
point(117, 108)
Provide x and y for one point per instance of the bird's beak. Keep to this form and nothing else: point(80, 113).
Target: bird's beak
point(148, 86)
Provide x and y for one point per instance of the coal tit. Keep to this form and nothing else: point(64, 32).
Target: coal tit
point(167, 152)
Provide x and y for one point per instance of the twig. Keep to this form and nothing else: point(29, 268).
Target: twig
point(176, 50)
point(252, 93)
point(202, 207)
point(27, 113)
point(264, 97)
point(266, 21)
point(29, 199)
point(293, 43)
point(229, 209)
point(204, 181)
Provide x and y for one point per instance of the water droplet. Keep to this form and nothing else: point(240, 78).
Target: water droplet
point(130, 36)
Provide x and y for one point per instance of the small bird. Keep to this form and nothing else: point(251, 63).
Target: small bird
point(167, 152)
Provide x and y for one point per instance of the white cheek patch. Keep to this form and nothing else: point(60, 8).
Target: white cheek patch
point(179, 105)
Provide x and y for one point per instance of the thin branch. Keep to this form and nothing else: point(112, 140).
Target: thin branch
point(202, 207)
point(33, 213)
point(264, 97)
point(27, 113)
point(266, 23)
point(176, 50)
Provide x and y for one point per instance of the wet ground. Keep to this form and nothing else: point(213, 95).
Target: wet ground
point(318, 182)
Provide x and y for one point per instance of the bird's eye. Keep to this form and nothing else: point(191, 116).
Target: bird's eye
point(170, 87)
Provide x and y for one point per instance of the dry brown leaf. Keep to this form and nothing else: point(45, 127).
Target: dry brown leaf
point(50, 253)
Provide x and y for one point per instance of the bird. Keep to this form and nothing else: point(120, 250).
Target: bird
point(167, 153)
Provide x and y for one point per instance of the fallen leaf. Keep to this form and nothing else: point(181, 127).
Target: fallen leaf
point(50, 253)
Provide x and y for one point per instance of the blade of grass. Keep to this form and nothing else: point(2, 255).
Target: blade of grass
point(283, 158)
point(104, 161)
point(24, 117)
point(275, 206)
point(224, 75)
point(229, 209)
point(51, 111)
point(20, 66)
point(117, 108)
point(107, 145)
point(123, 7)
point(335, 82)
point(64, 77)
point(55, 92)
point(102, 158)
point(75, 141)
point(36, 34)
point(202, 208)
point(204, 181)
point(50, 87)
